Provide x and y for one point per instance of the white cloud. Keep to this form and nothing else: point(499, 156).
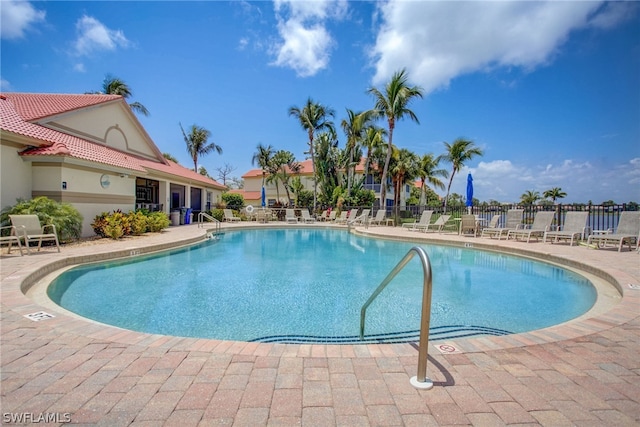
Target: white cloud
point(305, 44)
point(79, 67)
point(613, 13)
point(95, 36)
point(505, 181)
point(5, 86)
point(437, 41)
point(631, 173)
point(242, 43)
point(16, 17)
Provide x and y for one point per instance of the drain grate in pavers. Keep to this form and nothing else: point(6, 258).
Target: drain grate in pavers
point(39, 315)
point(446, 348)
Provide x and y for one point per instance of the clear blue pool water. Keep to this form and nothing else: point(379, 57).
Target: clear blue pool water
point(308, 285)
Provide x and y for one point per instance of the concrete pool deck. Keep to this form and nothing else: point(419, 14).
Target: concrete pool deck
point(584, 372)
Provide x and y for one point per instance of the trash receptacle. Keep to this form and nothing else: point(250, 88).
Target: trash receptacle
point(175, 217)
point(183, 212)
point(188, 216)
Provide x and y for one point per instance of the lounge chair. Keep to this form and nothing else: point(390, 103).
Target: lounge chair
point(323, 215)
point(379, 218)
point(513, 222)
point(628, 230)
point(493, 225)
point(353, 213)
point(575, 226)
point(332, 216)
point(342, 218)
point(28, 228)
point(11, 238)
point(468, 225)
point(291, 216)
point(228, 215)
point(262, 215)
point(361, 219)
point(347, 216)
point(439, 224)
point(425, 219)
point(541, 224)
point(306, 217)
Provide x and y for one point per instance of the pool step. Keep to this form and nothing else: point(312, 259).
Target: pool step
point(435, 334)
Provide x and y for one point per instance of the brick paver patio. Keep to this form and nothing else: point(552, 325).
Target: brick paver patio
point(583, 373)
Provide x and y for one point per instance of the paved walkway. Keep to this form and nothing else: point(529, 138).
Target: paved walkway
point(583, 373)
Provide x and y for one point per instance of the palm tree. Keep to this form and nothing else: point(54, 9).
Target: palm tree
point(554, 193)
point(393, 104)
point(197, 143)
point(457, 154)
point(169, 156)
point(115, 86)
point(529, 197)
point(373, 141)
point(428, 172)
point(327, 164)
point(262, 157)
point(313, 117)
point(354, 127)
point(281, 165)
point(403, 168)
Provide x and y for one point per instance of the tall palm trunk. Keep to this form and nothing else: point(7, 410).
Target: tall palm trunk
point(446, 199)
point(385, 169)
point(313, 169)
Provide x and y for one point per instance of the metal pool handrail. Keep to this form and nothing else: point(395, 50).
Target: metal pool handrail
point(420, 380)
point(203, 215)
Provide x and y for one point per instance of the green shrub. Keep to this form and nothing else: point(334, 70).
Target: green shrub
point(122, 219)
point(138, 223)
point(363, 197)
point(233, 201)
point(114, 228)
point(113, 225)
point(305, 198)
point(99, 223)
point(64, 216)
point(217, 214)
point(157, 221)
point(133, 223)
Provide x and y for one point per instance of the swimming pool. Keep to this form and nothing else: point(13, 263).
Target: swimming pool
point(308, 285)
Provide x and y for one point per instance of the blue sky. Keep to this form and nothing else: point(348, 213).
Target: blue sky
point(549, 91)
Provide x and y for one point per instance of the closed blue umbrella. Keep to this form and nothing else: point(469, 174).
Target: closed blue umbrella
point(263, 198)
point(469, 202)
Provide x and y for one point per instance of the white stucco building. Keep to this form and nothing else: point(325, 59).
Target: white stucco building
point(91, 151)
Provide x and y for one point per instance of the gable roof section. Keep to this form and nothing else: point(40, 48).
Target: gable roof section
point(306, 169)
point(35, 106)
point(247, 195)
point(43, 141)
point(173, 168)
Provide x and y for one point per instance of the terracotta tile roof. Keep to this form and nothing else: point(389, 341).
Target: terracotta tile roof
point(252, 173)
point(176, 169)
point(13, 122)
point(248, 195)
point(49, 142)
point(34, 106)
point(306, 169)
